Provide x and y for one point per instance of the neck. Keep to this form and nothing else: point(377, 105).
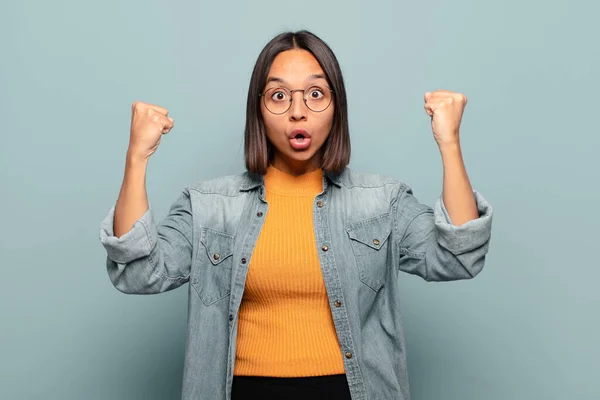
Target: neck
point(296, 167)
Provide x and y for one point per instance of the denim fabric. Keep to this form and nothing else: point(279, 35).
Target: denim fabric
point(368, 228)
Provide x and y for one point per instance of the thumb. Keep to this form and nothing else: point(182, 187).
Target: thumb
point(428, 109)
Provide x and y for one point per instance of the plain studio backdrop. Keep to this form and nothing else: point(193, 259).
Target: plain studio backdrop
point(527, 327)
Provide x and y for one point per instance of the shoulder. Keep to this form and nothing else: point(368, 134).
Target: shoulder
point(352, 179)
point(228, 185)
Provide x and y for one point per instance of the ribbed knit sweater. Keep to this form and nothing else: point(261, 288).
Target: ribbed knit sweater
point(285, 326)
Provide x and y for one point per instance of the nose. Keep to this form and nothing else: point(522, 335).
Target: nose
point(298, 109)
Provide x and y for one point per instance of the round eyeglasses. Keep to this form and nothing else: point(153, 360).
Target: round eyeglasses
point(278, 100)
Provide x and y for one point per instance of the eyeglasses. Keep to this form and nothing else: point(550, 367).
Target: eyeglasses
point(278, 100)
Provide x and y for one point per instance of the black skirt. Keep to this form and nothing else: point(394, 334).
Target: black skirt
point(330, 387)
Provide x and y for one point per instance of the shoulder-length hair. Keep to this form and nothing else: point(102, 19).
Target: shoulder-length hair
point(257, 148)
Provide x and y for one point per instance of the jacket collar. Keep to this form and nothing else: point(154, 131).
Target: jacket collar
point(253, 181)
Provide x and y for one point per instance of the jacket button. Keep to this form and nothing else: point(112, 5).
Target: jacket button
point(243, 260)
point(376, 242)
point(337, 303)
point(217, 256)
point(348, 355)
point(230, 317)
point(325, 248)
point(259, 214)
point(319, 204)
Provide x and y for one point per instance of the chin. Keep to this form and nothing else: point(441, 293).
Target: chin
point(305, 155)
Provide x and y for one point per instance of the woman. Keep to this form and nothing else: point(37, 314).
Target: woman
point(293, 265)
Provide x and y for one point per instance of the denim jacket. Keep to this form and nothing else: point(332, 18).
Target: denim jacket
point(368, 228)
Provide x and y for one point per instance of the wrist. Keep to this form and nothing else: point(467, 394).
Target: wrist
point(134, 160)
point(450, 147)
point(136, 164)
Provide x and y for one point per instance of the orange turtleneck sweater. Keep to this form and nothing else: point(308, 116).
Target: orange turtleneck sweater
point(285, 326)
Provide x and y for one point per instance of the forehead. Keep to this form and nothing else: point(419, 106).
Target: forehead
point(295, 66)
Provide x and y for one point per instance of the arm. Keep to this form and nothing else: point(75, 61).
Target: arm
point(457, 192)
point(148, 124)
point(133, 198)
point(449, 242)
point(431, 247)
point(150, 258)
point(446, 110)
point(143, 257)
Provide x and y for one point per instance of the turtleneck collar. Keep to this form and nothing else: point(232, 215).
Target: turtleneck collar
point(280, 182)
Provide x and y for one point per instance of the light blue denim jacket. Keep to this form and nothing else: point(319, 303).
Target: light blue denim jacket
point(368, 228)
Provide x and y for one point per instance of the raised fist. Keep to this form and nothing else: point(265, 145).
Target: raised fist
point(148, 123)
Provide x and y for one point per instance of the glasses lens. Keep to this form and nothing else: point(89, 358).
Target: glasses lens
point(277, 100)
point(317, 98)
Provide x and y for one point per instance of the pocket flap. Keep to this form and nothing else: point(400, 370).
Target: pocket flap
point(372, 232)
point(218, 245)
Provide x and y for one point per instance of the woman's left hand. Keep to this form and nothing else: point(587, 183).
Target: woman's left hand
point(445, 109)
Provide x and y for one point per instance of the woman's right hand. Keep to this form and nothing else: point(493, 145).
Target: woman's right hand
point(148, 123)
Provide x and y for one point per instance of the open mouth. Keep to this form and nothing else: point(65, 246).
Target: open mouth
point(300, 139)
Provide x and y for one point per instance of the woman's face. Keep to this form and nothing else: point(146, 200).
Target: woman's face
point(298, 134)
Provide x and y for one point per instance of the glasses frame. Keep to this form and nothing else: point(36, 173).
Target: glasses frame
point(292, 98)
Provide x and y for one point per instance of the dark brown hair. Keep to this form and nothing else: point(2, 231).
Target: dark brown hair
point(336, 149)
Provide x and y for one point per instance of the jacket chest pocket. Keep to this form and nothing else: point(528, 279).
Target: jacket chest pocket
point(370, 244)
point(212, 276)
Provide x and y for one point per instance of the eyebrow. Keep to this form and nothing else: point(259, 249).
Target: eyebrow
point(310, 78)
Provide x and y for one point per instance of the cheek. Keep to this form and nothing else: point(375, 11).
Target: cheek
point(266, 117)
point(273, 124)
point(326, 122)
point(329, 114)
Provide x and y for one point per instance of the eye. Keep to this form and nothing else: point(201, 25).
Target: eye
point(316, 94)
point(278, 95)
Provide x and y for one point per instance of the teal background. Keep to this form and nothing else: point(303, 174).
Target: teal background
point(526, 328)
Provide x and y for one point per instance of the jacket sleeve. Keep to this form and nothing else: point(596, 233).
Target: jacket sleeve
point(150, 258)
point(432, 247)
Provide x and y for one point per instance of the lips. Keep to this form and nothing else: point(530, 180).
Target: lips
point(297, 133)
point(299, 139)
